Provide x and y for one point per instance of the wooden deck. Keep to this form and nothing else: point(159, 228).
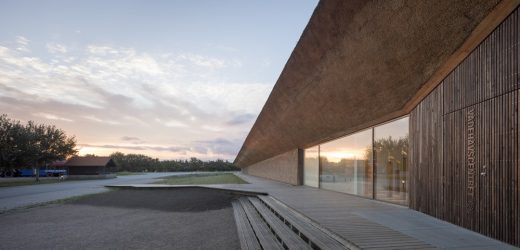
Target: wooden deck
point(315, 235)
point(369, 224)
point(261, 226)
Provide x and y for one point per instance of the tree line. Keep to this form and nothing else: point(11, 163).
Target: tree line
point(32, 145)
point(140, 162)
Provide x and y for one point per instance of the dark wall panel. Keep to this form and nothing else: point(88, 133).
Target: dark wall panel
point(480, 165)
point(426, 155)
point(464, 137)
point(489, 71)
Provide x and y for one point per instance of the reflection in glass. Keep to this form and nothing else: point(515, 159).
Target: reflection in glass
point(346, 164)
point(391, 152)
point(311, 167)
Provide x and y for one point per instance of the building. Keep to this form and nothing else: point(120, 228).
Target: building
point(409, 102)
point(89, 165)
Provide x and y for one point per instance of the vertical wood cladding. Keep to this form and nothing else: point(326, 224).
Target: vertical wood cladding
point(426, 130)
point(464, 141)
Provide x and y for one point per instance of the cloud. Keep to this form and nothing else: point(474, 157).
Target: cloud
point(222, 146)
point(22, 44)
point(56, 48)
point(143, 148)
point(130, 138)
point(22, 40)
point(102, 93)
point(171, 123)
point(102, 71)
point(212, 128)
point(52, 117)
point(100, 50)
point(241, 119)
point(104, 121)
point(208, 62)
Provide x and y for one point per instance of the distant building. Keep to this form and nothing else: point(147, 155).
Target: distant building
point(58, 164)
point(89, 165)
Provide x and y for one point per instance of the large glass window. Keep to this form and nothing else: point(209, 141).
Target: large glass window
point(391, 153)
point(353, 164)
point(346, 164)
point(311, 167)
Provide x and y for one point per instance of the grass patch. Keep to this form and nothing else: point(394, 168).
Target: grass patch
point(125, 173)
point(201, 179)
point(27, 182)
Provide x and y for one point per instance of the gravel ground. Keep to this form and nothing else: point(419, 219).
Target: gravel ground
point(126, 219)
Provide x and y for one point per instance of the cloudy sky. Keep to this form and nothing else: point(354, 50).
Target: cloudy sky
point(170, 79)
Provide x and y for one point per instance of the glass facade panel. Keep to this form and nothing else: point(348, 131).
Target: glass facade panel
point(346, 164)
point(358, 163)
point(311, 167)
point(391, 159)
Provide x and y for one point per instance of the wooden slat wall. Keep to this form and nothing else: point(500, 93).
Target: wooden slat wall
point(479, 100)
point(426, 136)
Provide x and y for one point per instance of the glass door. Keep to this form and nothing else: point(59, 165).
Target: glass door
point(391, 161)
point(311, 167)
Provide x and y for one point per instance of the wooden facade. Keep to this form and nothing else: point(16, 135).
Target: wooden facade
point(464, 138)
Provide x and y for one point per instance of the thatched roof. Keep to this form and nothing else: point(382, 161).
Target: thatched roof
point(360, 63)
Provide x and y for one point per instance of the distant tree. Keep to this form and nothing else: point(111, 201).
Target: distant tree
point(36, 145)
point(13, 139)
point(55, 146)
point(139, 162)
point(118, 159)
point(47, 144)
point(32, 145)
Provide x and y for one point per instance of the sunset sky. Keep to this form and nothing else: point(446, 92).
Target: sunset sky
point(170, 79)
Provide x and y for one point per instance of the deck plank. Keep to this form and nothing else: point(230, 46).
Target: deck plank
point(248, 240)
point(291, 239)
point(263, 233)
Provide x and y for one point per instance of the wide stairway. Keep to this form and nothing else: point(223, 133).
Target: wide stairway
point(265, 223)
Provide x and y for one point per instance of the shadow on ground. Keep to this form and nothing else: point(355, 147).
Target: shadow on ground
point(171, 200)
